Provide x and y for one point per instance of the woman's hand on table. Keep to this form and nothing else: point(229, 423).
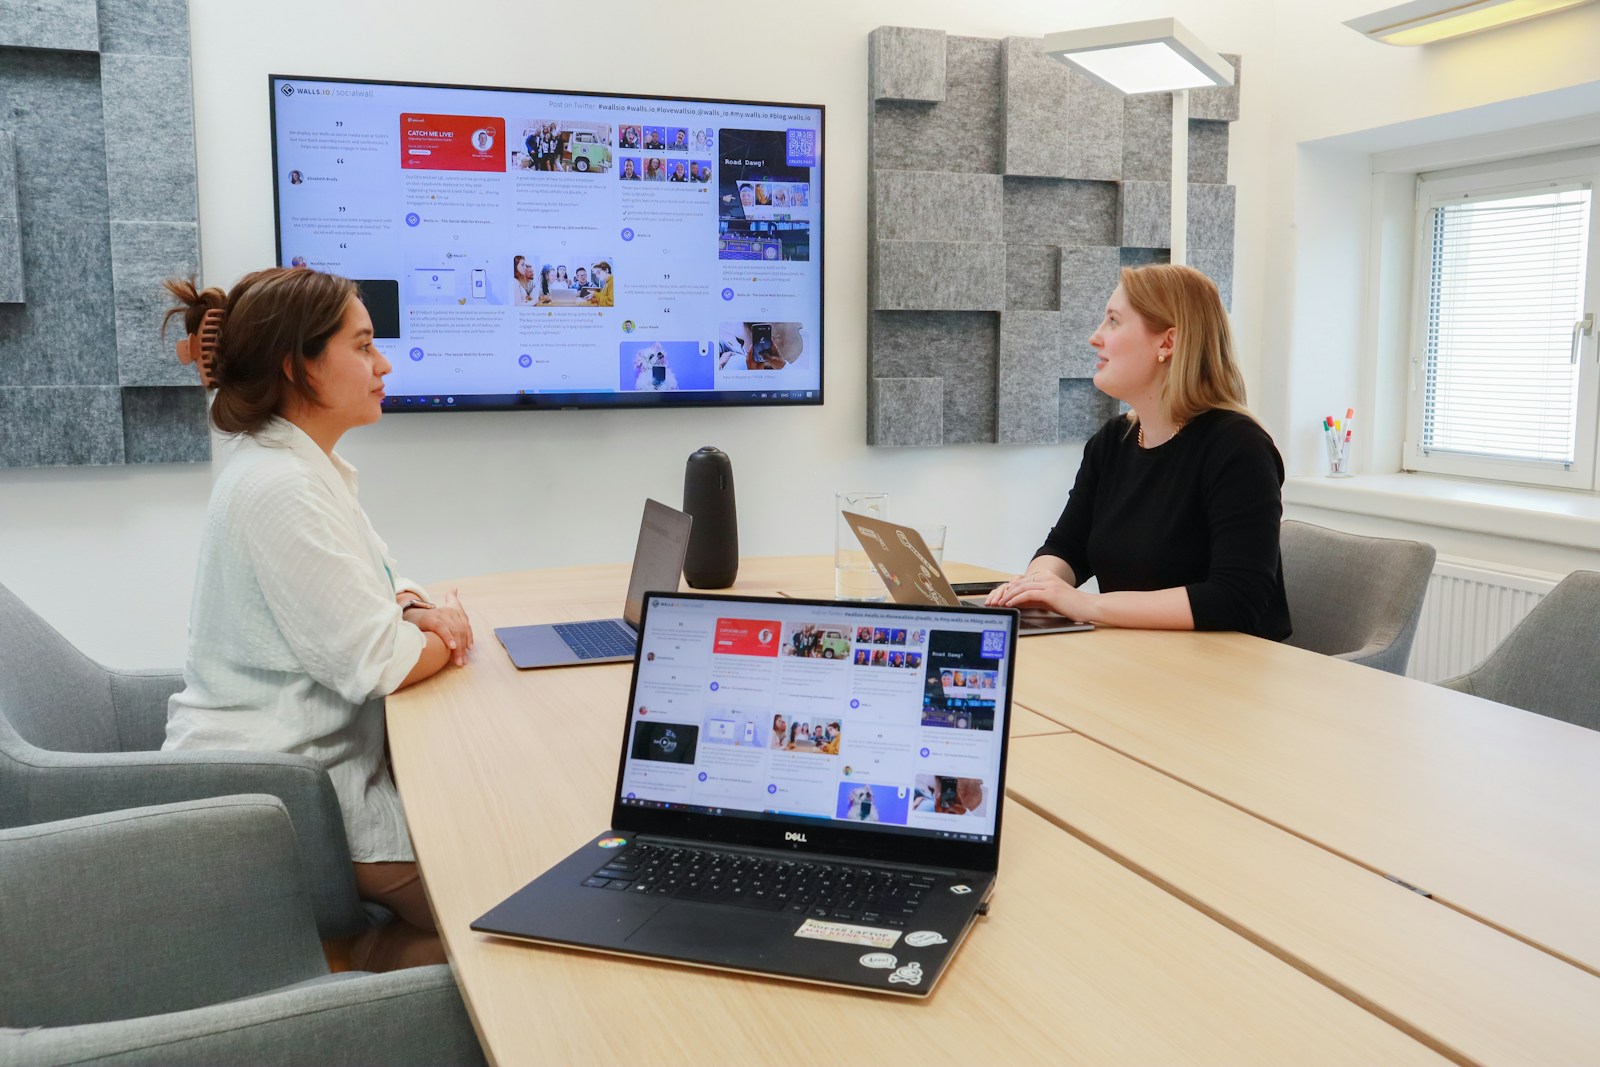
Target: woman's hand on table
point(448, 620)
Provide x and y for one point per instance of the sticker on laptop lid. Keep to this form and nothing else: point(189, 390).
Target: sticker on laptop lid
point(882, 961)
point(910, 974)
point(923, 938)
point(848, 933)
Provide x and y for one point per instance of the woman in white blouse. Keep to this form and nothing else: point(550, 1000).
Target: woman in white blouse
point(301, 623)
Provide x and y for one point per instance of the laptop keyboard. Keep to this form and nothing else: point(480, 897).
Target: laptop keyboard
point(597, 640)
point(798, 886)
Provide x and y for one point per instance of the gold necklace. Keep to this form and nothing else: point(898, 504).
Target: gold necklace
point(1175, 430)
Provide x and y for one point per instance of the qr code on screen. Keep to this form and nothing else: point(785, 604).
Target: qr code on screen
point(801, 148)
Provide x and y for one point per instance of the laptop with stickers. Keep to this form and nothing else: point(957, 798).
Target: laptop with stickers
point(912, 576)
point(806, 789)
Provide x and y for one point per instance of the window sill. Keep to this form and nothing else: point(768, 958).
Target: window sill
point(1519, 512)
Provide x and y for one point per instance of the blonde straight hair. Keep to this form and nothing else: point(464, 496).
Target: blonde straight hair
point(1204, 374)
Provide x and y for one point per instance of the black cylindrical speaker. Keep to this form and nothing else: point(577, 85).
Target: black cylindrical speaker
point(712, 561)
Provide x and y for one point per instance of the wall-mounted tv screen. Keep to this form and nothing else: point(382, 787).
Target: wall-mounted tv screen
point(531, 248)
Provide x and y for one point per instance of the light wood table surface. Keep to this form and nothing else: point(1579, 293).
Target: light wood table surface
point(503, 773)
point(1456, 984)
point(1493, 810)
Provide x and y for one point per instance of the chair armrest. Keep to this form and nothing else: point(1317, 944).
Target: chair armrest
point(139, 699)
point(405, 1018)
point(1376, 654)
point(42, 786)
point(151, 910)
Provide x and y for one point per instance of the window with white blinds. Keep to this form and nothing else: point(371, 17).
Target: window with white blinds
point(1503, 354)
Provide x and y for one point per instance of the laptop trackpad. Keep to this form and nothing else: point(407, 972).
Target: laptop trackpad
point(712, 934)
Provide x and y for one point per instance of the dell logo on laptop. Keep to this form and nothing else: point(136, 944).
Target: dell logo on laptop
point(790, 835)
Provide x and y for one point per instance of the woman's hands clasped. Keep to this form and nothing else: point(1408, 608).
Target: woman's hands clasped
point(448, 620)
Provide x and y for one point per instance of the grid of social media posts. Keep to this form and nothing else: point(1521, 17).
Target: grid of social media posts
point(818, 715)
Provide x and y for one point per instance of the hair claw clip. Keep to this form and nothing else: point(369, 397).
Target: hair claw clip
point(200, 348)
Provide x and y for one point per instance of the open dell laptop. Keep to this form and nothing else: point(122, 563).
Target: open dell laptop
point(782, 811)
point(913, 576)
point(657, 563)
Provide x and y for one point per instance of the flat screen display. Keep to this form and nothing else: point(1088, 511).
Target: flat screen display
point(539, 248)
point(876, 716)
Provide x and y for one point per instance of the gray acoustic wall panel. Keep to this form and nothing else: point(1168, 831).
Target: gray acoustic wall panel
point(1044, 211)
point(156, 425)
point(1220, 105)
point(1058, 123)
point(1216, 264)
point(10, 261)
point(992, 329)
point(1145, 215)
point(1147, 137)
point(1211, 216)
point(60, 138)
point(1036, 92)
point(60, 426)
point(1146, 220)
point(149, 139)
point(906, 64)
point(79, 343)
point(1033, 277)
point(145, 28)
point(142, 254)
point(962, 133)
point(10, 224)
point(960, 348)
point(64, 333)
point(1147, 142)
point(1026, 407)
point(926, 206)
point(1208, 152)
point(1088, 274)
point(1093, 118)
point(906, 411)
point(934, 275)
point(1084, 409)
point(61, 25)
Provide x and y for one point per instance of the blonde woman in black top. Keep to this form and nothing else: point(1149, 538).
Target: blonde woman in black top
point(1176, 505)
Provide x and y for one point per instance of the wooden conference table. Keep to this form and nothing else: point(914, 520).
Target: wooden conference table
point(1228, 917)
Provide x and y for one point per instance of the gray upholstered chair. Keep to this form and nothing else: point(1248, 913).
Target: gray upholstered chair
point(1549, 664)
point(1355, 598)
point(78, 738)
point(183, 934)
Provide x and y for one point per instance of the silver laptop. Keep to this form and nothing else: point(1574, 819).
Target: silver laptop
point(913, 576)
point(806, 789)
point(657, 564)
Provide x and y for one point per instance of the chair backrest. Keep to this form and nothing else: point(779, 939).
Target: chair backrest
point(1353, 594)
point(151, 910)
point(1549, 664)
point(54, 696)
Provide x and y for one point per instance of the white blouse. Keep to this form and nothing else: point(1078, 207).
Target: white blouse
point(294, 634)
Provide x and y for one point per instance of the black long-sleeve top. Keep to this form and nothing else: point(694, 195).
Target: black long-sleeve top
point(1200, 511)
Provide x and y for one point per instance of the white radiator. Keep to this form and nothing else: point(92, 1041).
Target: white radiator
point(1469, 609)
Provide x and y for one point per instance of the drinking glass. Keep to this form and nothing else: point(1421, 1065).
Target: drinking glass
point(854, 577)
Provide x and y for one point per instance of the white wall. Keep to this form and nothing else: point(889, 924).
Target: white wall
point(107, 555)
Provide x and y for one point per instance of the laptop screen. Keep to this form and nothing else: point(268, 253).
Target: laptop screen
point(880, 717)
